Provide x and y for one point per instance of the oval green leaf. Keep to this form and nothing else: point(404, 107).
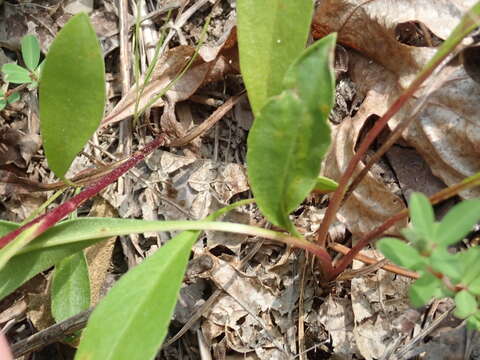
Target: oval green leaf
point(16, 74)
point(30, 51)
point(458, 222)
point(70, 287)
point(466, 304)
point(424, 289)
point(421, 214)
point(270, 35)
point(400, 253)
point(72, 93)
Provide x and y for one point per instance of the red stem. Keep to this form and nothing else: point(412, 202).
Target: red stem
point(51, 218)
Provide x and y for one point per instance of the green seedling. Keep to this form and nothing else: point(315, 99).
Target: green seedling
point(30, 74)
point(443, 273)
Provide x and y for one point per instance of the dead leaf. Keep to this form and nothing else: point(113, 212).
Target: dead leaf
point(378, 20)
point(99, 255)
point(376, 299)
point(17, 147)
point(337, 317)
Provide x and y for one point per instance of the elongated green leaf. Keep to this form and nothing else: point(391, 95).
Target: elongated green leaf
point(30, 51)
point(16, 74)
point(70, 287)
point(313, 77)
point(400, 253)
point(466, 304)
point(290, 136)
point(421, 214)
point(270, 35)
point(458, 222)
point(132, 320)
point(72, 93)
point(7, 226)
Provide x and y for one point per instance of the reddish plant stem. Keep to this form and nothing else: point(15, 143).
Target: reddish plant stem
point(367, 239)
point(52, 217)
point(336, 200)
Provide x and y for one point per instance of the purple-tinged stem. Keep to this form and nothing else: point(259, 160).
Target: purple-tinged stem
point(52, 217)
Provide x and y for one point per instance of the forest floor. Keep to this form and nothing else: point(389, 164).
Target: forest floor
point(244, 297)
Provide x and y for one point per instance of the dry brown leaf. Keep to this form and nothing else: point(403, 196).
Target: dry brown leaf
point(369, 27)
point(376, 299)
point(337, 317)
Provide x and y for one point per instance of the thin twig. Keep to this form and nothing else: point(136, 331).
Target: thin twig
point(51, 334)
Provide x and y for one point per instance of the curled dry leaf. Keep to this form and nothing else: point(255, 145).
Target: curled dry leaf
point(378, 21)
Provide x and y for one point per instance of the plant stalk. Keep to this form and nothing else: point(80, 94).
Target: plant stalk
point(51, 218)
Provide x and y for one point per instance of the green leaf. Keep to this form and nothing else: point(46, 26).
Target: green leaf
point(16, 74)
point(270, 35)
point(313, 77)
point(7, 226)
point(30, 51)
point(400, 253)
point(325, 185)
point(14, 97)
point(473, 321)
point(23, 267)
point(72, 93)
point(132, 320)
point(72, 236)
point(290, 136)
point(422, 216)
point(424, 289)
point(3, 103)
point(444, 262)
point(458, 222)
point(466, 304)
point(70, 287)
point(470, 265)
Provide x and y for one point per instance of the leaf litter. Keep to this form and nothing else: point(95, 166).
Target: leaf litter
point(256, 314)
